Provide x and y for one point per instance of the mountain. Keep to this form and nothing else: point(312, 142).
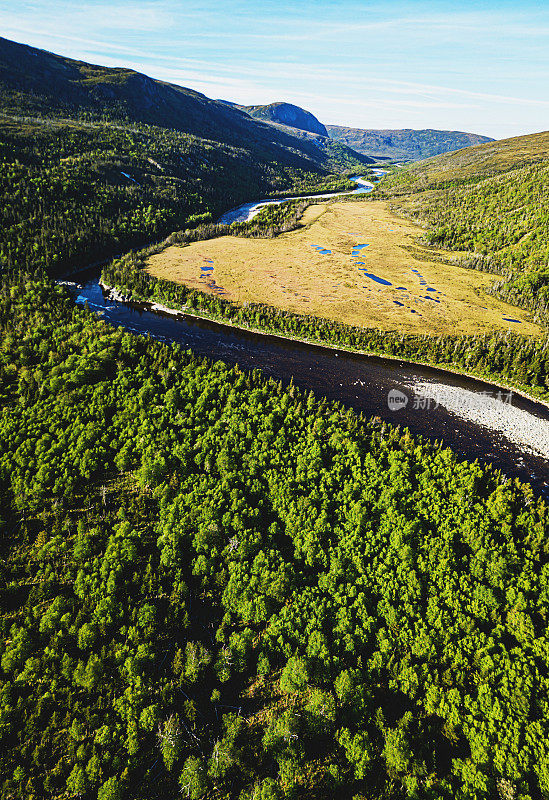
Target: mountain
point(288, 114)
point(489, 202)
point(301, 124)
point(405, 144)
point(35, 82)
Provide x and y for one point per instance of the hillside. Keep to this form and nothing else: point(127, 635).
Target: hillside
point(335, 153)
point(288, 114)
point(491, 201)
point(473, 163)
point(405, 144)
point(36, 82)
point(76, 192)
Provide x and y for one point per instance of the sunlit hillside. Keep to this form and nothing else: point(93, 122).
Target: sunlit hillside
point(491, 200)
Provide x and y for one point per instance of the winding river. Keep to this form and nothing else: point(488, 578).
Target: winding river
point(248, 211)
point(476, 419)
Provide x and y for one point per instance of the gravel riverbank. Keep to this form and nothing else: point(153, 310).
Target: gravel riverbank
point(491, 410)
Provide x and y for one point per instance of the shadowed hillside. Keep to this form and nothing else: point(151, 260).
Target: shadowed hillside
point(35, 82)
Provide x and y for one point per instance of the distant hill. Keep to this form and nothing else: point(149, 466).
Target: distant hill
point(491, 159)
point(288, 114)
point(489, 202)
point(297, 122)
point(405, 144)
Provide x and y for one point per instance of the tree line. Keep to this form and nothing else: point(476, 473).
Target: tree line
point(518, 359)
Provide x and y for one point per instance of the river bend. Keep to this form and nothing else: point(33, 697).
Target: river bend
point(475, 419)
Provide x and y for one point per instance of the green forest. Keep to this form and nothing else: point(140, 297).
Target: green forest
point(217, 587)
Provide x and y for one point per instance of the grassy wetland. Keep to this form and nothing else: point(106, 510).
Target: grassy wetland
point(354, 263)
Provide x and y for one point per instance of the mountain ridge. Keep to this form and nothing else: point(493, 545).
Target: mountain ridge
point(408, 144)
point(34, 82)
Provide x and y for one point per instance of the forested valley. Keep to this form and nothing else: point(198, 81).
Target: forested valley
point(212, 585)
point(95, 161)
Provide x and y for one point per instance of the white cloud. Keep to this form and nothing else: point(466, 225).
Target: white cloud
point(73, 20)
point(192, 70)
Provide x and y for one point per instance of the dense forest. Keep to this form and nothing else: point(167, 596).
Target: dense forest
point(520, 360)
point(493, 202)
point(217, 587)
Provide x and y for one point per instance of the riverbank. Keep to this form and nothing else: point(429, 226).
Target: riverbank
point(491, 381)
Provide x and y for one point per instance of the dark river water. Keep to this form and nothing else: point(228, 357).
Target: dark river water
point(467, 415)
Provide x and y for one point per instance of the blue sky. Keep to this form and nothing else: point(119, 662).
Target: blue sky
point(473, 66)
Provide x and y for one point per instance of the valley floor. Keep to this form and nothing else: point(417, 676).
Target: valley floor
point(355, 263)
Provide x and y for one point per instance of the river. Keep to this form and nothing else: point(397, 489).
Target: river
point(248, 211)
point(473, 418)
point(477, 420)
